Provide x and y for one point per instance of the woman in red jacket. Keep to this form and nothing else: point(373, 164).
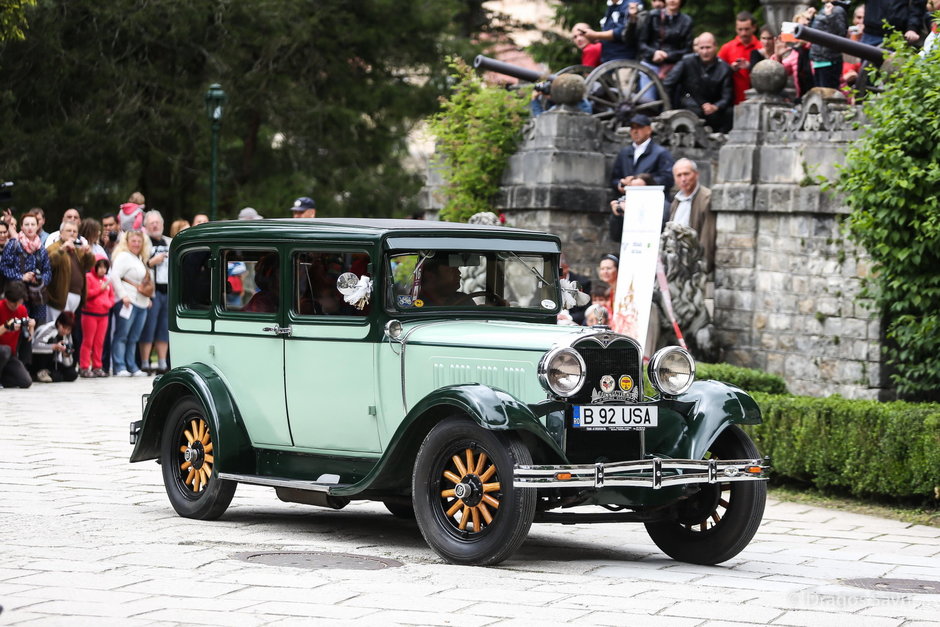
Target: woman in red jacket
point(98, 302)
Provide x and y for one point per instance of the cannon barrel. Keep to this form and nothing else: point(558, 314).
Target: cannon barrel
point(492, 65)
point(872, 54)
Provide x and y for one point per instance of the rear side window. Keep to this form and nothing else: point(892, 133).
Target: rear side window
point(195, 281)
point(315, 275)
point(252, 281)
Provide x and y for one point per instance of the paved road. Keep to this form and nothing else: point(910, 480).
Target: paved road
point(88, 539)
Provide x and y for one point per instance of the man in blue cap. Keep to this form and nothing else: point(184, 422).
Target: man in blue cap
point(304, 207)
point(643, 155)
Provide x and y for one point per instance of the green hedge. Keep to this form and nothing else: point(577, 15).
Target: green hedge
point(866, 448)
point(745, 378)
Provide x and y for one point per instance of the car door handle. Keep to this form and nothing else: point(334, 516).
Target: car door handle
point(285, 331)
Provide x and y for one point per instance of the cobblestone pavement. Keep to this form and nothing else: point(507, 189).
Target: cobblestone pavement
point(87, 538)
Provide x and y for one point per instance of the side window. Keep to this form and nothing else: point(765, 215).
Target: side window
point(252, 282)
point(314, 290)
point(195, 281)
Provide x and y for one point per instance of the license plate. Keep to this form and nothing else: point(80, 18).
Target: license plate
point(615, 417)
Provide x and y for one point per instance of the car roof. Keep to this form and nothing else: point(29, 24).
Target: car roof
point(345, 228)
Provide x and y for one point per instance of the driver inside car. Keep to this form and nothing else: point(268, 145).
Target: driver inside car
point(440, 283)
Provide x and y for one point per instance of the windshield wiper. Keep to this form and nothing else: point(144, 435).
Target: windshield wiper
point(538, 275)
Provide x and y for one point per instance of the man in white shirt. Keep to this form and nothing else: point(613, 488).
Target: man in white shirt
point(71, 216)
point(692, 207)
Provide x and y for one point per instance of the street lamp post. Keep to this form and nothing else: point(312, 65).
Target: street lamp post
point(215, 99)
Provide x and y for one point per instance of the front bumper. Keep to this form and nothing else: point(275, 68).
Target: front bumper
point(652, 473)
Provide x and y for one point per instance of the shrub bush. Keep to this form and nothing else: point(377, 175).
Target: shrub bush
point(477, 131)
point(745, 378)
point(866, 448)
point(890, 181)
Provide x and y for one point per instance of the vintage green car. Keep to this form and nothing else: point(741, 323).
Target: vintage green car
point(420, 364)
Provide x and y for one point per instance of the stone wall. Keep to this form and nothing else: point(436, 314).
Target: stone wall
point(787, 281)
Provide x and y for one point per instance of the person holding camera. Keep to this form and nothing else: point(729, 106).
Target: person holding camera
point(25, 259)
point(156, 332)
point(110, 230)
point(737, 53)
point(71, 258)
point(54, 352)
point(827, 63)
point(71, 216)
point(16, 329)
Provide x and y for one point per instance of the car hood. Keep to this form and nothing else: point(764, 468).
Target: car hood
point(491, 333)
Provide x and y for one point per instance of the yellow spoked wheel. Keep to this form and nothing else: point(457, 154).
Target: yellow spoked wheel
point(188, 460)
point(473, 498)
point(464, 500)
point(197, 460)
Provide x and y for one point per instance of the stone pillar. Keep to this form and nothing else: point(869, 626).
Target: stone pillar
point(786, 280)
point(556, 182)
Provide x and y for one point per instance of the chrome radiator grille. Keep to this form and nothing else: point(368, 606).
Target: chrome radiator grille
point(617, 358)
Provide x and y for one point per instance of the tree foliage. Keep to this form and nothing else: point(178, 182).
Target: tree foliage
point(891, 181)
point(13, 18)
point(477, 131)
point(106, 97)
point(557, 51)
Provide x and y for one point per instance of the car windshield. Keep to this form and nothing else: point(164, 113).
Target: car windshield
point(439, 278)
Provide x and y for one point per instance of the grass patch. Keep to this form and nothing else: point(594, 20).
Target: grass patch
point(809, 496)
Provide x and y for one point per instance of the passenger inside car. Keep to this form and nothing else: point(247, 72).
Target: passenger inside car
point(266, 279)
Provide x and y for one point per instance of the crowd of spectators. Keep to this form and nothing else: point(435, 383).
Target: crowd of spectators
point(698, 75)
point(90, 299)
point(87, 299)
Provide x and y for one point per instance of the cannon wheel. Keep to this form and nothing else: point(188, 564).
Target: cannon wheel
point(580, 70)
point(615, 92)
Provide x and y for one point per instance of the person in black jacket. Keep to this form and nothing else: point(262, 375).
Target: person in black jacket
point(666, 37)
point(904, 16)
point(827, 63)
point(703, 84)
point(643, 155)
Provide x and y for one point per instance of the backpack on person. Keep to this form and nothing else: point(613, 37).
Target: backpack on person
point(131, 216)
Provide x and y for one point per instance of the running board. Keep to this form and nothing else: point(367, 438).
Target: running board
point(278, 482)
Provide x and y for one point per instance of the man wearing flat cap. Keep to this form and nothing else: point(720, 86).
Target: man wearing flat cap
point(304, 207)
point(642, 156)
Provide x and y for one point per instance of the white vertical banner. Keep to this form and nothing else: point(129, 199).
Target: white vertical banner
point(639, 251)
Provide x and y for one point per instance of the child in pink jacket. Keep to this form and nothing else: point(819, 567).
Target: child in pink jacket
point(98, 302)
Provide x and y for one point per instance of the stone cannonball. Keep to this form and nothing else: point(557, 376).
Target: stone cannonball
point(568, 89)
point(768, 77)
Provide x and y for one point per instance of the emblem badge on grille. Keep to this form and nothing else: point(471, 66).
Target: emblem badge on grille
point(607, 383)
point(626, 383)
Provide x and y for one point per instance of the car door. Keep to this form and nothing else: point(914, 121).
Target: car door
point(329, 363)
point(248, 341)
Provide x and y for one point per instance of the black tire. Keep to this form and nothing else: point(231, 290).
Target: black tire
point(717, 523)
point(193, 486)
point(471, 529)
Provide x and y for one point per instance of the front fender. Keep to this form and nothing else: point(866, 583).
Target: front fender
point(710, 407)
point(490, 408)
point(233, 452)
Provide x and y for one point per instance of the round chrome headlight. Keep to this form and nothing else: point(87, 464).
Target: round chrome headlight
point(672, 370)
point(561, 371)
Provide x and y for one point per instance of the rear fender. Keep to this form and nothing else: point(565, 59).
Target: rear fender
point(232, 451)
